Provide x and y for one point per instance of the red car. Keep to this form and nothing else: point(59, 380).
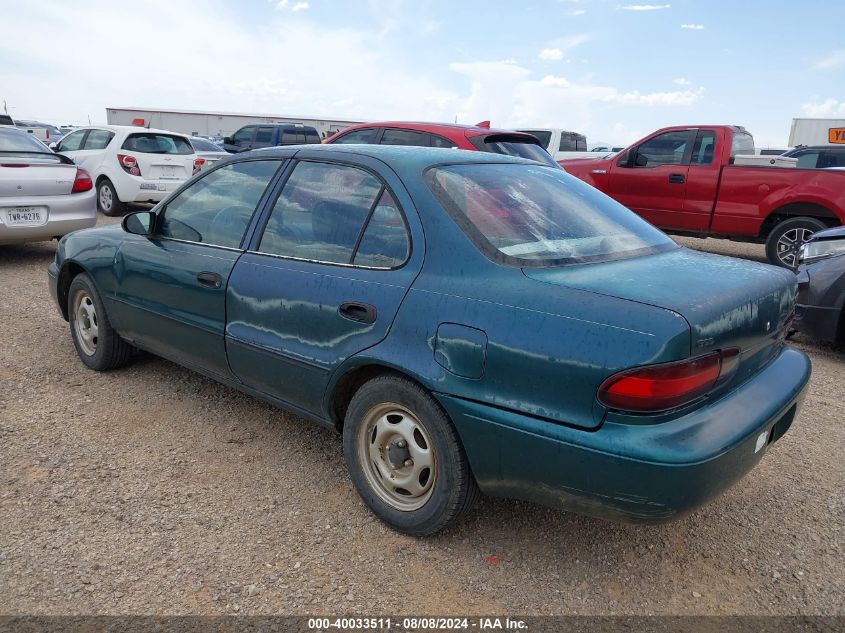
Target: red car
point(684, 180)
point(478, 137)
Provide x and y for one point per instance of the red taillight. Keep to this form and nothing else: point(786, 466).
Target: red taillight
point(129, 164)
point(82, 182)
point(666, 386)
point(198, 163)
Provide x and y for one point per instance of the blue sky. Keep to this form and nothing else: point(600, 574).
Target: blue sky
point(613, 70)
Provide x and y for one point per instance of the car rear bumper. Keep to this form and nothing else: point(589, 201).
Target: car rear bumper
point(65, 214)
point(134, 189)
point(633, 473)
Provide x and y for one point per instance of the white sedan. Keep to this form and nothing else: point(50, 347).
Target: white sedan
point(131, 164)
point(42, 195)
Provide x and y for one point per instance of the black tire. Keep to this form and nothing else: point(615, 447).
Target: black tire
point(783, 251)
point(107, 201)
point(105, 349)
point(453, 490)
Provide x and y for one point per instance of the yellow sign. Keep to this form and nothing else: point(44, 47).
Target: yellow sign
point(836, 135)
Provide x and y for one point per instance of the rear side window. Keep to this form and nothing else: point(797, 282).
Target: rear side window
point(439, 141)
point(320, 213)
point(513, 146)
point(217, 208)
point(153, 143)
point(98, 139)
point(385, 241)
point(742, 143)
point(833, 158)
point(808, 159)
point(704, 147)
point(367, 135)
point(405, 137)
point(572, 142)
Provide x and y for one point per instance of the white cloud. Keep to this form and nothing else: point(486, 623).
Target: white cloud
point(693, 27)
point(645, 7)
point(292, 6)
point(578, 12)
point(827, 108)
point(682, 81)
point(551, 54)
point(834, 60)
point(676, 98)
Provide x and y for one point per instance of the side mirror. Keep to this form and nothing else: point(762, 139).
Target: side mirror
point(140, 223)
point(228, 140)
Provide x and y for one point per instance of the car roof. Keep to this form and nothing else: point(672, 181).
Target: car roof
point(443, 129)
point(130, 129)
point(399, 157)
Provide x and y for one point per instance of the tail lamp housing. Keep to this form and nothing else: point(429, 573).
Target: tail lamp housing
point(198, 165)
point(129, 164)
point(656, 388)
point(82, 182)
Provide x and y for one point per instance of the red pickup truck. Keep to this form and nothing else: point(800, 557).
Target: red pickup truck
point(683, 180)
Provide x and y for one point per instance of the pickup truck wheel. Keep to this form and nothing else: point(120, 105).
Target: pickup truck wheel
point(405, 457)
point(99, 346)
point(784, 242)
point(107, 201)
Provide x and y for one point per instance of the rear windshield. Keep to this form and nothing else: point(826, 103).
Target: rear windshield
point(205, 146)
point(152, 143)
point(532, 215)
point(544, 136)
point(743, 143)
point(513, 146)
point(13, 140)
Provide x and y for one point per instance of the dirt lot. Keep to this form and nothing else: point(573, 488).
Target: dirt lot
point(154, 490)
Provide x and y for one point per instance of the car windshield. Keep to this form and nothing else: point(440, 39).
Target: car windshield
point(152, 143)
point(513, 145)
point(202, 145)
point(531, 215)
point(15, 141)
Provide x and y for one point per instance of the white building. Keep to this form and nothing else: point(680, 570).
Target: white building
point(214, 123)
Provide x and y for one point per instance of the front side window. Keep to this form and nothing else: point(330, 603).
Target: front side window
point(664, 149)
point(264, 135)
point(833, 158)
point(531, 215)
point(98, 139)
point(217, 208)
point(72, 142)
point(244, 135)
point(154, 143)
point(404, 137)
point(321, 212)
point(366, 135)
point(704, 147)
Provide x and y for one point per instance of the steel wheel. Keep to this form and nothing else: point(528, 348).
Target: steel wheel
point(789, 245)
point(85, 323)
point(106, 198)
point(398, 456)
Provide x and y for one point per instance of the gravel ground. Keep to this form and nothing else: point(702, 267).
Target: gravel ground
point(154, 490)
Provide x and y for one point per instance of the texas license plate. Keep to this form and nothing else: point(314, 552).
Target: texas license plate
point(25, 216)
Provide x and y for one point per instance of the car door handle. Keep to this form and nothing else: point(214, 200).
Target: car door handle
point(359, 312)
point(677, 179)
point(210, 280)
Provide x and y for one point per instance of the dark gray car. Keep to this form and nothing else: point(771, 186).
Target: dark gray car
point(821, 286)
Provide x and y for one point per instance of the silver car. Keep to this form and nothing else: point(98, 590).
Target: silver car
point(208, 151)
point(42, 195)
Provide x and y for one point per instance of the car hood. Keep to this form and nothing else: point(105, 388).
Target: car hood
point(727, 302)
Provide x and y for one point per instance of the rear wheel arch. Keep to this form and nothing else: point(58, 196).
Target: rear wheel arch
point(797, 210)
point(68, 272)
point(351, 381)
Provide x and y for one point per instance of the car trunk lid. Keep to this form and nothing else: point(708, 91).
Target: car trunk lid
point(727, 302)
point(46, 175)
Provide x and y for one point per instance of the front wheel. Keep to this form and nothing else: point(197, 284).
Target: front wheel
point(785, 241)
point(405, 457)
point(107, 201)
